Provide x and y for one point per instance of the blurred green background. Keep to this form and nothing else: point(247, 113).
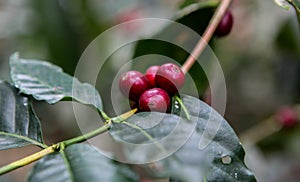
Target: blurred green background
point(260, 60)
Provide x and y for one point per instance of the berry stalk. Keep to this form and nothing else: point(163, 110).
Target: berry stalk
point(202, 43)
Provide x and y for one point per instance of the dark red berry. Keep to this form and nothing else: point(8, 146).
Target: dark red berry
point(132, 84)
point(155, 99)
point(287, 116)
point(170, 78)
point(150, 74)
point(225, 25)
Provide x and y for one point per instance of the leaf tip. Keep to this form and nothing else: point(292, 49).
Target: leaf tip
point(283, 4)
point(14, 56)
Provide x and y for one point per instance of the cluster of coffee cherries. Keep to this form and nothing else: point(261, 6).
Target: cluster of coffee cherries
point(152, 91)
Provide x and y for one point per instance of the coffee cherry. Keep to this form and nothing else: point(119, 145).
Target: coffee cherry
point(132, 84)
point(155, 99)
point(150, 74)
point(225, 25)
point(170, 78)
point(287, 116)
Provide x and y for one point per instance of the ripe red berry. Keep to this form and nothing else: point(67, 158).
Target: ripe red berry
point(150, 74)
point(170, 78)
point(155, 99)
point(287, 116)
point(225, 25)
point(132, 84)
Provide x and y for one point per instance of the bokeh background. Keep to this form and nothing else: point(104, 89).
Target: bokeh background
point(260, 59)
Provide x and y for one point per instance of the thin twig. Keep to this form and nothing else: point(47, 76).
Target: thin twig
point(27, 160)
point(202, 43)
point(61, 145)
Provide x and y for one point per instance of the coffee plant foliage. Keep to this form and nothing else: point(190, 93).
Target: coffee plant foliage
point(184, 128)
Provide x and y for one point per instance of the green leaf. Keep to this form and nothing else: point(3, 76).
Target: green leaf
point(285, 4)
point(212, 150)
point(19, 126)
point(79, 162)
point(158, 125)
point(223, 152)
point(282, 3)
point(189, 5)
point(288, 39)
point(45, 81)
point(196, 18)
point(155, 135)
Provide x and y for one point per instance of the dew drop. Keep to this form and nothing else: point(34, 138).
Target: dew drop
point(25, 104)
point(176, 102)
point(176, 106)
point(235, 175)
point(226, 159)
point(58, 88)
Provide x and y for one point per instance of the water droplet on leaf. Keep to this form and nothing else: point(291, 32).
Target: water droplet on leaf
point(226, 160)
point(58, 88)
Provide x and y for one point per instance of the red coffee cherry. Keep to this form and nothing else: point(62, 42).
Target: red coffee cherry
point(170, 78)
point(132, 84)
point(155, 99)
point(287, 116)
point(150, 74)
point(225, 25)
